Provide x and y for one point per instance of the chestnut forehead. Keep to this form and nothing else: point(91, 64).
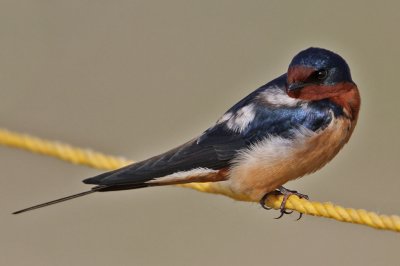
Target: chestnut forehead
point(299, 73)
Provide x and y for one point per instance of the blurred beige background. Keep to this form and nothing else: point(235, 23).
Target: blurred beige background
point(135, 78)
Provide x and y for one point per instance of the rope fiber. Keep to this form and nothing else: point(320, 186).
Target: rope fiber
point(102, 161)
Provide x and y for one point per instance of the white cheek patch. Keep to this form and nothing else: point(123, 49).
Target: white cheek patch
point(241, 119)
point(196, 173)
point(277, 97)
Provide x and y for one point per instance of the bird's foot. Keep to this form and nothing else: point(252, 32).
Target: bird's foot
point(286, 194)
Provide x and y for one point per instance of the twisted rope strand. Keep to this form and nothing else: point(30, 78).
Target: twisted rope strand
point(61, 151)
point(102, 161)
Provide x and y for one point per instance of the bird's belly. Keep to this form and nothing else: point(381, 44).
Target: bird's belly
point(274, 161)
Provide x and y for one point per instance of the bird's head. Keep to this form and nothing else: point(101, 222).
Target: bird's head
point(316, 74)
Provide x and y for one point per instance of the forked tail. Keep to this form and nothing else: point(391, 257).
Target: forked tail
point(95, 189)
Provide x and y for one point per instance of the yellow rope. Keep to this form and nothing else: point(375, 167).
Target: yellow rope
point(101, 161)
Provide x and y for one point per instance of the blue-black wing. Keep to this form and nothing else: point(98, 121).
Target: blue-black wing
point(208, 153)
point(217, 146)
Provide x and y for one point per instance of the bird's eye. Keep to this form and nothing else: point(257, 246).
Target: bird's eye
point(321, 74)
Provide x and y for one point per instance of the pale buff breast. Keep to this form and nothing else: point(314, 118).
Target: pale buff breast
point(272, 162)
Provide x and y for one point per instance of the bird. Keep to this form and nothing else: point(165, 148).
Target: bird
point(290, 127)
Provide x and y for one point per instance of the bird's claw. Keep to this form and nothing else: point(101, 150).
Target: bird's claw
point(262, 202)
point(283, 211)
point(286, 194)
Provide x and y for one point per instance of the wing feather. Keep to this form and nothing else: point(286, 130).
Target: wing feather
point(218, 145)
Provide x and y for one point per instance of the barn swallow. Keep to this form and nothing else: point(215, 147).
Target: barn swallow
point(287, 128)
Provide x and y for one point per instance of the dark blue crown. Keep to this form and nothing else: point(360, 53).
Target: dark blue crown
point(319, 58)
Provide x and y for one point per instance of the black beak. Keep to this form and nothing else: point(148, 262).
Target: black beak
point(296, 86)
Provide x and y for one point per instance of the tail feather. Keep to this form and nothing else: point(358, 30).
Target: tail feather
point(95, 189)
